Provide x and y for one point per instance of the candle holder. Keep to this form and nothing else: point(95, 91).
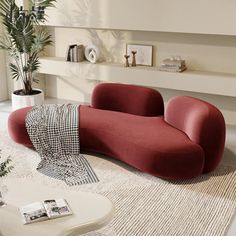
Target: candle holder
point(133, 58)
point(126, 60)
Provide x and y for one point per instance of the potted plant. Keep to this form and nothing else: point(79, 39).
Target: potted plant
point(24, 39)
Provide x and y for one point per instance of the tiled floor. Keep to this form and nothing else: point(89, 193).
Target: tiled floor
point(229, 154)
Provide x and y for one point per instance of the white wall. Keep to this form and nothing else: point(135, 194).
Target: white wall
point(202, 52)
point(199, 45)
point(3, 79)
point(211, 16)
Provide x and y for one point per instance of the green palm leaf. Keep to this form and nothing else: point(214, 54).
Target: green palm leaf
point(15, 71)
point(24, 39)
point(5, 44)
point(41, 40)
point(33, 62)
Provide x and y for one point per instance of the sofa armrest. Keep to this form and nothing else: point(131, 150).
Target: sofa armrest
point(202, 123)
point(131, 99)
point(16, 126)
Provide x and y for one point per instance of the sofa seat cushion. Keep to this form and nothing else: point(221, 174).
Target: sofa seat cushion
point(147, 143)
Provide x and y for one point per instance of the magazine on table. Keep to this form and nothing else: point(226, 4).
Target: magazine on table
point(48, 209)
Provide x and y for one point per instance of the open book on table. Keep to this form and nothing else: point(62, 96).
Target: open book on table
point(48, 209)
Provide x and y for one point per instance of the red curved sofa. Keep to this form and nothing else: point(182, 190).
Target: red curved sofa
point(128, 123)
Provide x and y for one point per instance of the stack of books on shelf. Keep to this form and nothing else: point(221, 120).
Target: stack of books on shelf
point(173, 65)
point(75, 53)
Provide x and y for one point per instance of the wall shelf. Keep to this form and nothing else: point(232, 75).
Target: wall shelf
point(193, 81)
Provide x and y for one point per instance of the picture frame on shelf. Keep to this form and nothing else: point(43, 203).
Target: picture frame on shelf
point(144, 55)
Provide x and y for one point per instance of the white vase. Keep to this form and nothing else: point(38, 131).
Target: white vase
point(21, 101)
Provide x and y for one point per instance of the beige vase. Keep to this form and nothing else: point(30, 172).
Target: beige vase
point(21, 101)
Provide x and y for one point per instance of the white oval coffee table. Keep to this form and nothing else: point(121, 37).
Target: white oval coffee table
point(90, 211)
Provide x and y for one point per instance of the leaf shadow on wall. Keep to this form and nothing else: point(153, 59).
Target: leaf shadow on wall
point(88, 14)
point(78, 13)
point(110, 43)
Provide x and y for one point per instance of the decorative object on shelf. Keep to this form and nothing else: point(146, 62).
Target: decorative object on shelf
point(133, 58)
point(5, 168)
point(144, 53)
point(92, 53)
point(173, 64)
point(75, 53)
point(24, 39)
point(126, 60)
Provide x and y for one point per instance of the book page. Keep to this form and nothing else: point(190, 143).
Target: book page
point(33, 213)
point(57, 208)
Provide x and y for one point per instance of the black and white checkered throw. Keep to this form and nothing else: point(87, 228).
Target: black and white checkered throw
point(54, 131)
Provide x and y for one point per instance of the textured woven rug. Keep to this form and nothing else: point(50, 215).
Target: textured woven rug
point(146, 205)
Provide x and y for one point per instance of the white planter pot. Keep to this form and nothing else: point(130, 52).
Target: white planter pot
point(20, 101)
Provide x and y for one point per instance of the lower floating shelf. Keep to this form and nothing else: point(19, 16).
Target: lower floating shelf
point(194, 81)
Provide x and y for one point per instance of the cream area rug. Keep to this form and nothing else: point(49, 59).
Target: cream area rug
point(145, 205)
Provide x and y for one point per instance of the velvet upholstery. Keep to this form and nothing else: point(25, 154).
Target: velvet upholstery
point(16, 127)
point(147, 143)
point(202, 122)
point(186, 142)
point(132, 99)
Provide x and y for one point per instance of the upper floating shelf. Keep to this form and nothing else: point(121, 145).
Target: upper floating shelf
point(194, 81)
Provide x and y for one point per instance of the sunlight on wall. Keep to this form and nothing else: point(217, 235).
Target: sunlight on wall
point(3, 78)
point(202, 52)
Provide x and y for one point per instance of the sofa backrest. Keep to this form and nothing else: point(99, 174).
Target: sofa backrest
point(131, 99)
point(202, 122)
